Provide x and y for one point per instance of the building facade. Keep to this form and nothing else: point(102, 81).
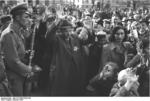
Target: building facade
point(80, 3)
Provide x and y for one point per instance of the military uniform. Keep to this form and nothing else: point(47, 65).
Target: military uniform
point(4, 89)
point(13, 48)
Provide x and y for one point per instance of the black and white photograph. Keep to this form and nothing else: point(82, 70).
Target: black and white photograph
point(74, 48)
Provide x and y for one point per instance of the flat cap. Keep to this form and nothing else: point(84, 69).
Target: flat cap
point(64, 24)
point(18, 9)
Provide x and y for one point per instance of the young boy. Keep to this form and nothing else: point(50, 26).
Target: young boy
point(102, 83)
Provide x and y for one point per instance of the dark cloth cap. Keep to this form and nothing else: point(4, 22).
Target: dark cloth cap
point(18, 9)
point(5, 18)
point(64, 24)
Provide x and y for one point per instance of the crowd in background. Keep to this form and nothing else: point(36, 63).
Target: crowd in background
point(86, 51)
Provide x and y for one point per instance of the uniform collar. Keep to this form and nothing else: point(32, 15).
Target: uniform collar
point(14, 26)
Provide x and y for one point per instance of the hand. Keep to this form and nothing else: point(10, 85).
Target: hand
point(29, 75)
point(30, 68)
point(83, 36)
point(31, 53)
point(127, 45)
point(135, 86)
point(57, 20)
point(132, 82)
point(36, 68)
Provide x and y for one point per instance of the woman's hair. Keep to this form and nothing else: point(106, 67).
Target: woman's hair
point(115, 29)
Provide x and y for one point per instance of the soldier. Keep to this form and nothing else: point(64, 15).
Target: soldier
point(13, 48)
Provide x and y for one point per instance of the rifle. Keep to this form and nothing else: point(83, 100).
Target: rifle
point(30, 79)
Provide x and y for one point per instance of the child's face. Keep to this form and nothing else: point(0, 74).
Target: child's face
point(108, 71)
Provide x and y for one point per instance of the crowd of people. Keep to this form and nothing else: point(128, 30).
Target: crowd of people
point(80, 52)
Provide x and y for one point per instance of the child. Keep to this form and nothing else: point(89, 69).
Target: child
point(127, 84)
point(102, 83)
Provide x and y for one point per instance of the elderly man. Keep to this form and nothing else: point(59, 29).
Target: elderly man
point(68, 62)
point(13, 47)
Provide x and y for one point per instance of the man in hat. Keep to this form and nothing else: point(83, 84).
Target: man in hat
point(87, 31)
point(67, 61)
point(42, 55)
point(130, 20)
point(107, 26)
point(13, 47)
point(87, 37)
point(143, 31)
point(115, 21)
